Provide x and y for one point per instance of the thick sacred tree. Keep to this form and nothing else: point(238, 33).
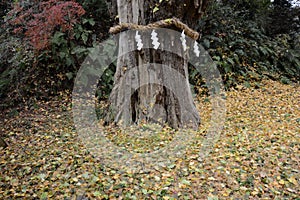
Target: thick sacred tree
point(154, 102)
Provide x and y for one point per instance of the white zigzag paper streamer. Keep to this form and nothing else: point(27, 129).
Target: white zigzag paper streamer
point(183, 40)
point(154, 39)
point(139, 41)
point(196, 49)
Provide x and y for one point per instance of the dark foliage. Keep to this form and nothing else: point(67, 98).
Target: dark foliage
point(283, 18)
point(242, 49)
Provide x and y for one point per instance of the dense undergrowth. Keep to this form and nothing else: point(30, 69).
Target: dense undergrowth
point(246, 48)
point(43, 45)
point(41, 52)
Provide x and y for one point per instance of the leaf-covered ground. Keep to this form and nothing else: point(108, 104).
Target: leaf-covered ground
point(257, 156)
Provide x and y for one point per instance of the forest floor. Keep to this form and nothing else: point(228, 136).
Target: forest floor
point(256, 157)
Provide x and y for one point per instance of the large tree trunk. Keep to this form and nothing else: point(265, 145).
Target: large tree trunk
point(153, 102)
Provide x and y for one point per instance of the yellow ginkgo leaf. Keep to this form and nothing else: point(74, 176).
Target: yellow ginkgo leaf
point(293, 180)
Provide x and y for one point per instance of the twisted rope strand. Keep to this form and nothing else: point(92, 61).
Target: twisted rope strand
point(159, 24)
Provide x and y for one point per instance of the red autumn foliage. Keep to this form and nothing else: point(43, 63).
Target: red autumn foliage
point(39, 22)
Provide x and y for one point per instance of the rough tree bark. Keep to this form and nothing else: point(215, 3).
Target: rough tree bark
point(153, 102)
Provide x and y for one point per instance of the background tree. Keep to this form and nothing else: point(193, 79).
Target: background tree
point(151, 102)
point(283, 18)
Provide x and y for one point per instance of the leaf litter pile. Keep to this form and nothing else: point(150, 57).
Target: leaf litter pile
point(257, 156)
